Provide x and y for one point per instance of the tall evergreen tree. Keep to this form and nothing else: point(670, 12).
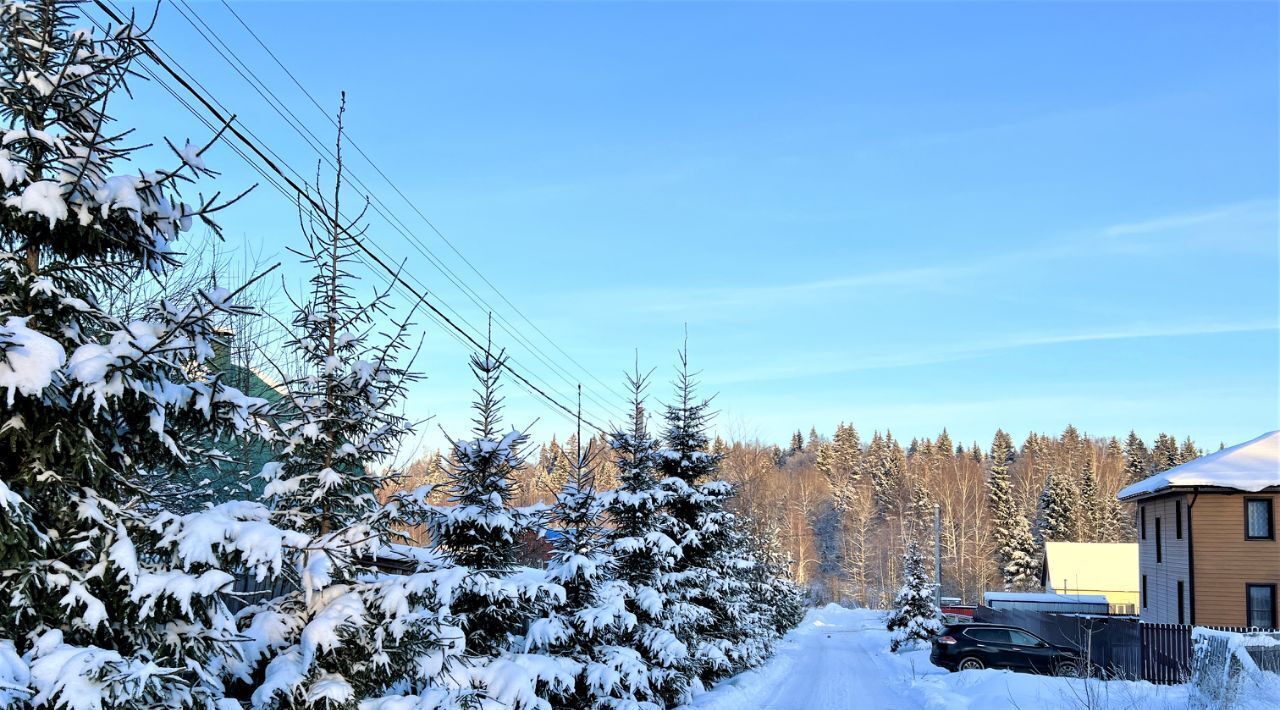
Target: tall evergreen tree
point(943, 445)
point(585, 628)
point(1165, 454)
point(1057, 508)
point(1091, 514)
point(644, 555)
point(710, 588)
point(111, 603)
point(345, 632)
point(797, 442)
point(1137, 460)
point(479, 529)
point(1016, 550)
point(841, 459)
point(1188, 452)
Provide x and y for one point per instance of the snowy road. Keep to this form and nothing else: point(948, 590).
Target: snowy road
point(838, 658)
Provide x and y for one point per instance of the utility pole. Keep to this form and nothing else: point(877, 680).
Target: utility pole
point(937, 555)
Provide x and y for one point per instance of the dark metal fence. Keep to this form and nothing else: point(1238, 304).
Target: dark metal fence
point(1116, 646)
point(1111, 644)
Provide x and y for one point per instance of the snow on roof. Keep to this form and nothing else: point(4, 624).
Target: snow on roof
point(1044, 597)
point(1251, 466)
point(1098, 567)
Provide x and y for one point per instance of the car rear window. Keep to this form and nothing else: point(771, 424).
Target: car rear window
point(989, 635)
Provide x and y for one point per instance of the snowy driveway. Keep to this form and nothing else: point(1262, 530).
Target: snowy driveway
point(838, 658)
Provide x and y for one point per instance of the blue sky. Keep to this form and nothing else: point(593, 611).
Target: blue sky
point(906, 216)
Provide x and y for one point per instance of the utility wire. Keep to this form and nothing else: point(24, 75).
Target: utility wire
point(299, 179)
point(413, 206)
point(305, 195)
point(215, 41)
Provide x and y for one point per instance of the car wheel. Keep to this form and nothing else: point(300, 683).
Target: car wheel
point(970, 664)
point(1067, 669)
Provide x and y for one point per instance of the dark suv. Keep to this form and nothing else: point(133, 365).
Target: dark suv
point(970, 646)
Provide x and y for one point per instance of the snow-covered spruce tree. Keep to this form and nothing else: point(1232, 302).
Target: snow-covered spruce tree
point(775, 597)
point(1137, 460)
point(915, 617)
point(1057, 508)
point(585, 633)
point(477, 531)
point(643, 553)
point(108, 603)
point(1016, 551)
point(344, 632)
point(708, 591)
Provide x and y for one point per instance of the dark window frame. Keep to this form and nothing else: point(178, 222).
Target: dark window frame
point(1182, 603)
point(1177, 518)
point(1159, 542)
point(1271, 519)
point(1144, 591)
point(1142, 515)
point(1248, 610)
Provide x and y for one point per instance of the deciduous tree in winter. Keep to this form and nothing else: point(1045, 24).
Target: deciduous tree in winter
point(344, 631)
point(915, 617)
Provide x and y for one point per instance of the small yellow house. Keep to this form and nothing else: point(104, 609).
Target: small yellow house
point(1108, 569)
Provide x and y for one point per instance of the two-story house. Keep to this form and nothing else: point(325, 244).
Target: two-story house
point(1207, 547)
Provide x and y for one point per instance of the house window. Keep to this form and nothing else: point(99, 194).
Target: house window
point(1259, 522)
point(1159, 550)
point(1142, 521)
point(1181, 601)
point(1177, 518)
point(1260, 605)
point(1144, 591)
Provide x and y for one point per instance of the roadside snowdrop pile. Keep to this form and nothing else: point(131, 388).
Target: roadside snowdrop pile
point(653, 590)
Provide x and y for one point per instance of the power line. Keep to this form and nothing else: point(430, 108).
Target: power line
point(291, 119)
point(321, 210)
point(413, 206)
point(325, 154)
point(299, 179)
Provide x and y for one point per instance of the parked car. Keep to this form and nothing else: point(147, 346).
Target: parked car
point(972, 646)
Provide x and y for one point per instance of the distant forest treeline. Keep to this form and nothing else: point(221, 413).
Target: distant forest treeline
point(844, 506)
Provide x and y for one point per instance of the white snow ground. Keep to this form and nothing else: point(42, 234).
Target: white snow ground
point(839, 658)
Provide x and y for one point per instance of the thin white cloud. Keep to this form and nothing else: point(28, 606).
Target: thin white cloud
point(1266, 208)
point(910, 356)
point(1235, 222)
